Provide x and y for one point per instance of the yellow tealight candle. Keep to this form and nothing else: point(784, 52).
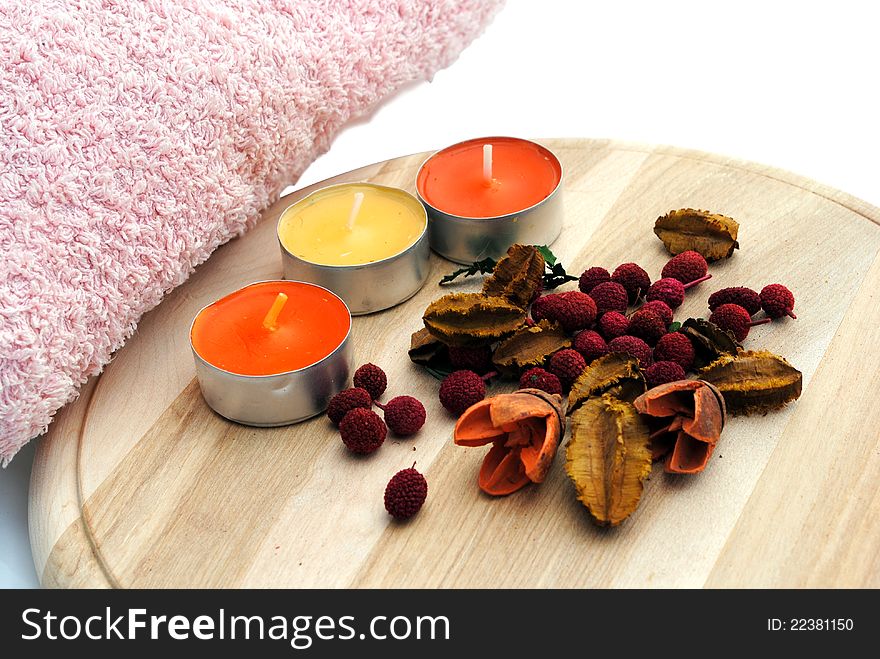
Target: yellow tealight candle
point(323, 229)
point(367, 243)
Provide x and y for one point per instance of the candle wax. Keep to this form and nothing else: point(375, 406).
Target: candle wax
point(523, 174)
point(230, 335)
point(387, 223)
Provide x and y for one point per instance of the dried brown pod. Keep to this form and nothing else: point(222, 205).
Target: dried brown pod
point(472, 319)
point(754, 381)
point(709, 341)
point(616, 373)
point(426, 350)
point(710, 234)
point(693, 414)
point(517, 277)
point(529, 346)
point(524, 428)
point(608, 458)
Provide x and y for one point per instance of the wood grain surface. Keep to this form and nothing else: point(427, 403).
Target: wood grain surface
point(139, 484)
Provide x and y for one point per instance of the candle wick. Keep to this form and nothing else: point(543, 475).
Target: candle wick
point(487, 165)
point(355, 209)
point(270, 322)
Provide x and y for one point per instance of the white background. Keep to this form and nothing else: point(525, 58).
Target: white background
point(790, 84)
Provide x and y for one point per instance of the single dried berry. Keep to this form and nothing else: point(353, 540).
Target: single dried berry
point(573, 310)
point(471, 358)
point(405, 493)
point(688, 267)
point(472, 319)
point(404, 415)
point(675, 347)
point(538, 378)
point(613, 324)
point(347, 400)
point(529, 346)
point(710, 234)
point(668, 290)
point(754, 382)
point(633, 278)
point(590, 344)
point(647, 325)
point(736, 319)
point(744, 297)
point(608, 458)
point(777, 301)
point(461, 389)
point(632, 345)
point(660, 308)
point(610, 296)
point(524, 428)
point(567, 365)
point(592, 277)
point(662, 372)
point(362, 431)
point(372, 378)
point(518, 276)
point(616, 373)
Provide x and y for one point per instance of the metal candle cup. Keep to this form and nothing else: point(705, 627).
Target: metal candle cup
point(390, 272)
point(517, 207)
point(282, 398)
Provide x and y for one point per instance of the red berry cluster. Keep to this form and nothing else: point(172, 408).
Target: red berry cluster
point(733, 308)
point(362, 430)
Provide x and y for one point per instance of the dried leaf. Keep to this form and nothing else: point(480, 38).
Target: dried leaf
point(616, 373)
point(426, 350)
point(529, 346)
point(472, 319)
point(754, 381)
point(710, 234)
point(709, 341)
point(608, 458)
point(475, 268)
point(517, 277)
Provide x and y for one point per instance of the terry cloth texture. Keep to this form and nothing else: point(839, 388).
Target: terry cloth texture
point(137, 137)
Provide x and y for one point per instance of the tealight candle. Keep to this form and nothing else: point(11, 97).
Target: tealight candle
point(368, 243)
point(485, 194)
point(272, 353)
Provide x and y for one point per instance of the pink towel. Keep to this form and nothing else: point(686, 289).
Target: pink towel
point(136, 137)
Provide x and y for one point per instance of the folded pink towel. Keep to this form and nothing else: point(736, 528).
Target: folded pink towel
point(136, 137)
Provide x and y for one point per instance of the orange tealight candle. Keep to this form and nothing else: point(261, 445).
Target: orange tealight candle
point(273, 352)
point(485, 194)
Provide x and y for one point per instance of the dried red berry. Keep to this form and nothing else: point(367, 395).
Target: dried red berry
point(632, 345)
point(662, 372)
point(404, 415)
point(538, 378)
point(647, 325)
point(461, 389)
point(633, 278)
point(688, 267)
point(573, 310)
point(777, 301)
point(675, 347)
point(347, 400)
point(661, 309)
point(668, 290)
point(372, 378)
point(744, 297)
point(362, 430)
point(613, 324)
point(466, 358)
point(736, 319)
point(590, 344)
point(610, 296)
point(592, 277)
point(405, 493)
point(567, 365)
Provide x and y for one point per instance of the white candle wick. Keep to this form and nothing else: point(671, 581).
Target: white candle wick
point(355, 209)
point(487, 164)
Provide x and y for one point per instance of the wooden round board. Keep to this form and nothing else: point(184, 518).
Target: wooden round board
point(139, 484)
